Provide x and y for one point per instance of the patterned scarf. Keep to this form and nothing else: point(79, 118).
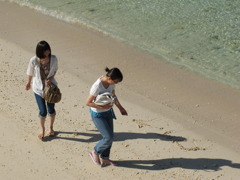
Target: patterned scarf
point(44, 71)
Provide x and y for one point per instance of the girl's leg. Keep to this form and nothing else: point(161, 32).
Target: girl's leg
point(42, 131)
point(52, 114)
point(105, 127)
point(51, 131)
point(42, 114)
point(106, 153)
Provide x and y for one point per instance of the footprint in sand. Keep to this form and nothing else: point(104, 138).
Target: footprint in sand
point(140, 123)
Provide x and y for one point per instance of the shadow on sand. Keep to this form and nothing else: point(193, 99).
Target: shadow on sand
point(185, 163)
point(159, 164)
point(118, 136)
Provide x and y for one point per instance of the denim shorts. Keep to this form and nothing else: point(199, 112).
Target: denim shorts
point(44, 107)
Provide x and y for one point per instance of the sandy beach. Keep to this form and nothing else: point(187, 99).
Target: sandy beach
point(180, 125)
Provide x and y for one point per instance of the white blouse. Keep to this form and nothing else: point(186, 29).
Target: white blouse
point(98, 88)
point(34, 71)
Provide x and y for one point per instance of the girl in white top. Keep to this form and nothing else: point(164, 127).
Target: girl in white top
point(103, 115)
point(41, 71)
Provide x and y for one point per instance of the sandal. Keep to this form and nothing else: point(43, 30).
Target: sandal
point(94, 159)
point(105, 162)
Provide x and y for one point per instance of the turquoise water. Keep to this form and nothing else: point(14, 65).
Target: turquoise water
point(201, 35)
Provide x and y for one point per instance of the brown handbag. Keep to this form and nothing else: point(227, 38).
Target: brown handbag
point(52, 94)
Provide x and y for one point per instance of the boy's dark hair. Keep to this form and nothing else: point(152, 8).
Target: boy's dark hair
point(114, 74)
point(42, 46)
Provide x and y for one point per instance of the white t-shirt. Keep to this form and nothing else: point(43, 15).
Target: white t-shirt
point(98, 88)
point(34, 71)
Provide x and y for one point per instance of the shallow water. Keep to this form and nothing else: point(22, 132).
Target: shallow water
point(202, 36)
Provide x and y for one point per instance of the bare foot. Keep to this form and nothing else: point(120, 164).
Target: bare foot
point(41, 136)
point(51, 133)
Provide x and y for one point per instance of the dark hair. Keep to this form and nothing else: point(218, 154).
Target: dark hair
point(42, 46)
point(114, 74)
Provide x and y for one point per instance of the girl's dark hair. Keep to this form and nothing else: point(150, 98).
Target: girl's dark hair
point(114, 74)
point(42, 46)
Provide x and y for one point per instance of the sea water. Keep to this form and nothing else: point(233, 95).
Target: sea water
point(201, 35)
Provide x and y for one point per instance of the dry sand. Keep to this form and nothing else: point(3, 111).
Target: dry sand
point(180, 125)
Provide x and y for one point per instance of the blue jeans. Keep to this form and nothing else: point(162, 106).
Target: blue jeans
point(104, 123)
point(43, 108)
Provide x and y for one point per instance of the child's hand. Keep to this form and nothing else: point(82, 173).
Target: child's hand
point(123, 111)
point(48, 81)
point(107, 106)
point(28, 86)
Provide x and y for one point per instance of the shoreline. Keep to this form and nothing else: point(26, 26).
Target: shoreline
point(164, 102)
point(184, 62)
